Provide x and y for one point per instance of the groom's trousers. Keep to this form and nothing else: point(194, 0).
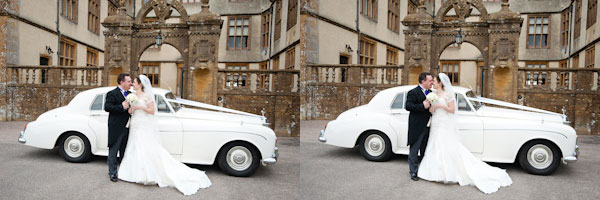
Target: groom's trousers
point(419, 145)
point(117, 147)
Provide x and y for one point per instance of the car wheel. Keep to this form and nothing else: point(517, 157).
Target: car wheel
point(74, 147)
point(539, 157)
point(239, 159)
point(375, 146)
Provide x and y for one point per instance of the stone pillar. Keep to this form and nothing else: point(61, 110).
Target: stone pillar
point(117, 43)
point(504, 30)
point(309, 45)
point(9, 47)
point(583, 102)
point(205, 30)
point(418, 42)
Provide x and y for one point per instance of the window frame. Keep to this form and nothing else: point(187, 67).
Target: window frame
point(394, 15)
point(293, 12)
point(278, 7)
point(593, 15)
point(372, 13)
point(265, 29)
point(590, 57)
point(529, 76)
point(535, 17)
point(64, 43)
point(290, 58)
point(235, 26)
point(153, 64)
point(229, 75)
point(451, 75)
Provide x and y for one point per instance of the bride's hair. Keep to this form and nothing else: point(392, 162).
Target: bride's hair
point(137, 79)
point(437, 77)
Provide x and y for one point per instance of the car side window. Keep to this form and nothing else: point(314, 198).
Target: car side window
point(398, 101)
point(462, 103)
point(162, 105)
point(97, 103)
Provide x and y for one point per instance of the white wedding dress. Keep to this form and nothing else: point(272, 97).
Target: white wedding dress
point(448, 160)
point(147, 162)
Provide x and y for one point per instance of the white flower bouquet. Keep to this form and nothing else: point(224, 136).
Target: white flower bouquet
point(131, 98)
point(432, 97)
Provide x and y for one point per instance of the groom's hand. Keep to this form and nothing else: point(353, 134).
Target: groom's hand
point(125, 105)
point(426, 104)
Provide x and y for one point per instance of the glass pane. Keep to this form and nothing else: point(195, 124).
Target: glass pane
point(531, 20)
point(462, 103)
point(144, 70)
point(245, 31)
point(245, 21)
point(244, 42)
point(531, 29)
point(239, 22)
point(543, 66)
point(230, 42)
point(398, 101)
point(456, 68)
point(231, 22)
point(162, 105)
point(544, 40)
point(530, 41)
point(237, 42)
point(538, 29)
point(538, 20)
point(97, 104)
point(545, 29)
point(231, 31)
point(545, 20)
point(156, 69)
point(537, 40)
point(238, 31)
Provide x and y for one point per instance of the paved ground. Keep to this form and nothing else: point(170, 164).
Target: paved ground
point(329, 172)
point(32, 173)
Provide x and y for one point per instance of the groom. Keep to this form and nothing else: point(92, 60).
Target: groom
point(118, 116)
point(418, 132)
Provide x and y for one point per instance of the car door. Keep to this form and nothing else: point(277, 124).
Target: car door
point(470, 126)
point(99, 121)
point(171, 130)
point(399, 119)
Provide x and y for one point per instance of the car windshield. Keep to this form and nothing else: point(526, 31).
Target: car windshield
point(476, 104)
point(175, 106)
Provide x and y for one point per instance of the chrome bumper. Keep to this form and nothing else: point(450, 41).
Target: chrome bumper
point(322, 136)
point(573, 158)
point(22, 138)
point(273, 160)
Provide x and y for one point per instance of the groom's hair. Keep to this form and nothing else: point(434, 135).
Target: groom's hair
point(423, 76)
point(121, 77)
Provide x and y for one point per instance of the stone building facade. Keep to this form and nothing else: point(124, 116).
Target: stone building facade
point(551, 59)
point(256, 69)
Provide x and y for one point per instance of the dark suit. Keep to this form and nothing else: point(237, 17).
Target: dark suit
point(117, 132)
point(418, 132)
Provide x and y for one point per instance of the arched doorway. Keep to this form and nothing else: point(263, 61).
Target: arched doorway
point(194, 38)
point(414, 75)
point(113, 75)
point(160, 64)
point(495, 36)
point(461, 64)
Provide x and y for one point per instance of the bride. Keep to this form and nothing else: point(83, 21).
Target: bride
point(446, 159)
point(145, 160)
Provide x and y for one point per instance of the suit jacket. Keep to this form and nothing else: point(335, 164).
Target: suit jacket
point(419, 115)
point(117, 116)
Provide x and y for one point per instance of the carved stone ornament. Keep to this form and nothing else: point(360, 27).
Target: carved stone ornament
point(162, 9)
point(117, 51)
point(203, 51)
point(462, 8)
point(418, 49)
point(504, 49)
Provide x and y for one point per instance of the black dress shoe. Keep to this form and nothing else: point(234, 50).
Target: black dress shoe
point(413, 176)
point(113, 178)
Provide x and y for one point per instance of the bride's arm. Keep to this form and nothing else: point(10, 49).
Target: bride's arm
point(150, 108)
point(450, 107)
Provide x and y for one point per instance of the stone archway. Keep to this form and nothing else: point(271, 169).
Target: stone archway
point(496, 36)
point(196, 37)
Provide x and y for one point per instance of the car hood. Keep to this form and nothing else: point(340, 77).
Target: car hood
point(487, 111)
point(191, 113)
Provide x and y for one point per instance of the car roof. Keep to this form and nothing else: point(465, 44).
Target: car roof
point(383, 99)
point(82, 101)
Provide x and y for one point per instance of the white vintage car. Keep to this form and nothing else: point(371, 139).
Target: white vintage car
point(236, 140)
point(494, 131)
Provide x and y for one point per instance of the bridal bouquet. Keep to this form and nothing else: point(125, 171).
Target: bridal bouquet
point(132, 98)
point(432, 97)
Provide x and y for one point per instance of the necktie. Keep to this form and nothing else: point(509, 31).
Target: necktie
point(426, 92)
point(125, 93)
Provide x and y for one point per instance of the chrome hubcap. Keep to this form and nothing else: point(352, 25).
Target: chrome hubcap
point(239, 158)
point(540, 156)
point(74, 146)
point(374, 145)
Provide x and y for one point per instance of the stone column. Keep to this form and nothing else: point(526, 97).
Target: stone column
point(117, 43)
point(418, 42)
point(205, 30)
point(505, 27)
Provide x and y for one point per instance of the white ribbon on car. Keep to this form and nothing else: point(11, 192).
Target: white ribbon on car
point(510, 105)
